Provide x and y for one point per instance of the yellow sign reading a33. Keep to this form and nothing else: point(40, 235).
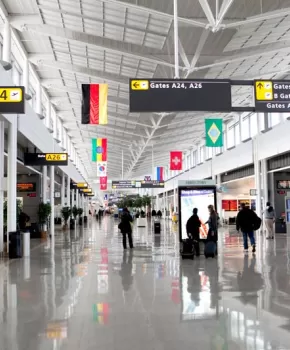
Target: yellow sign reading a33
point(54, 157)
point(11, 95)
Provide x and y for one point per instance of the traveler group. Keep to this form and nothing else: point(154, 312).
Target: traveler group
point(193, 228)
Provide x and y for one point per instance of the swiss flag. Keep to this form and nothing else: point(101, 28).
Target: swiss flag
point(103, 183)
point(176, 160)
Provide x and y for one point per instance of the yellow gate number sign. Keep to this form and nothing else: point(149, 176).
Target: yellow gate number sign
point(55, 157)
point(10, 95)
point(264, 90)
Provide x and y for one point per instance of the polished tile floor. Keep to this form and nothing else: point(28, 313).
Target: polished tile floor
point(82, 292)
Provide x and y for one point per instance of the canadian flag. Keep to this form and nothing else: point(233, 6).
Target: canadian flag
point(176, 160)
point(103, 183)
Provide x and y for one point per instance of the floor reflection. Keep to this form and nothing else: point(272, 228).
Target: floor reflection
point(82, 291)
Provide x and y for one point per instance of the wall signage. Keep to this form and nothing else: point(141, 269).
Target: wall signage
point(272, 95)
point(12, 100)
point(182, 95)
point(40, 159)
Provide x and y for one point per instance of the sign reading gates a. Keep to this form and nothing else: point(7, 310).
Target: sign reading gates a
point(34, 159)
point(182, 95)
point(12, 100)
point(272, 95)
point(134, 184)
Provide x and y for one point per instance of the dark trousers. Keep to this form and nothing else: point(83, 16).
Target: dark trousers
point(196, 247)
point(125, 240)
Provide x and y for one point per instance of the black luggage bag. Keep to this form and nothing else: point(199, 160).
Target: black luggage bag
point(187, 250)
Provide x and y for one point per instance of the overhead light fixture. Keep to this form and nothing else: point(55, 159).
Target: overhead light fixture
point(6, 65)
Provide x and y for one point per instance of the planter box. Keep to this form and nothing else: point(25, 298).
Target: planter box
point(141, 222)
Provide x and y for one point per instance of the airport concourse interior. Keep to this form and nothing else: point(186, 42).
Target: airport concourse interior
point(144, 174)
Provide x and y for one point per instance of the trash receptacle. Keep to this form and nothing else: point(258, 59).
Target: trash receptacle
point(157, 228)
point(26, 243)
point(15, 245)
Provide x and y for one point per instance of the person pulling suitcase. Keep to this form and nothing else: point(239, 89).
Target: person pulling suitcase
point(192, 228)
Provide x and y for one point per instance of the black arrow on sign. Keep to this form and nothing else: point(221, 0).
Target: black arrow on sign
point(260, 86)
point(136, 85)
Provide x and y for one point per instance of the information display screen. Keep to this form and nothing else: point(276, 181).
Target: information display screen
point(283, 184)
point(26, 187)
point(230, 204)
point(247, 202)
point(200, 198)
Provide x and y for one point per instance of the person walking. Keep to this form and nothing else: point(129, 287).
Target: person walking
point(126, 228)
point(192, 228)
point(269, 219)
point(212, 224)
point(245, 222)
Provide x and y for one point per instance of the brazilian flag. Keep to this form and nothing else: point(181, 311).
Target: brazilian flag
point(213, 132)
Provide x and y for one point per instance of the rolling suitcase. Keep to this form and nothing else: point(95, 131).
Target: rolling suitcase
point(187, 250)
point(210, 249)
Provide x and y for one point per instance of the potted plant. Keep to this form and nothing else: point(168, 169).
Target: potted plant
point(65, 213)
point(44, 210)
point(80, 213)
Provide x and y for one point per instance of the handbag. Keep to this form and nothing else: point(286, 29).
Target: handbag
point(120, 226)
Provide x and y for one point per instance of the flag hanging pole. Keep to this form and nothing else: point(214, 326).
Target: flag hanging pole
point(176, 48)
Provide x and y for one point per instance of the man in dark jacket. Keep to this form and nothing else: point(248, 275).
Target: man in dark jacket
point(192, 228)
point(246, 219)
point(126, 228)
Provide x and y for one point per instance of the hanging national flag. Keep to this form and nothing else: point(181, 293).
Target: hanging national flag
point(99, 150)
point(175, 160)
point(213, 132)
point(103, 183)
point(95, 104)
point(101, 169)
point(160, 173)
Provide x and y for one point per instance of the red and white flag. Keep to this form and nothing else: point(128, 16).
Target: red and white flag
point(176, 160)
point(103, 183)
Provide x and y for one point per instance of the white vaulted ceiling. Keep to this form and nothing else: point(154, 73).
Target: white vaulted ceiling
point(72, 42)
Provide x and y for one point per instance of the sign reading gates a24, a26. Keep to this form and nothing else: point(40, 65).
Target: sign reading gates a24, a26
point(34, 159)
point(182, 95)
point(272, 96)
point(12, 100)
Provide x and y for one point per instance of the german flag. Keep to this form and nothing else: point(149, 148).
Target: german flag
point(95, 104)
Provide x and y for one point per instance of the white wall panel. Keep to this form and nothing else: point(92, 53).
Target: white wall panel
point(237, 157)
point(275, 141)
point(36, 132)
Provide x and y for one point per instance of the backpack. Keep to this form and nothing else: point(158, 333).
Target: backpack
point(257, 223)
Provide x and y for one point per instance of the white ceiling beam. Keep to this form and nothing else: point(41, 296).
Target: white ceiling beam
point(183, 55)
point(223, 11)
point(140, 153)
point(259, 18)
point(201, 43)
point(208, 12)
point(66, 67)
point(188, 21)
point(131, 50)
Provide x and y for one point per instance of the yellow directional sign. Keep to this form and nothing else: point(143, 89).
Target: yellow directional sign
point(140, 85)
point(82, 185)
point(11, 95)
point(264, 90)
point(55, 157)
